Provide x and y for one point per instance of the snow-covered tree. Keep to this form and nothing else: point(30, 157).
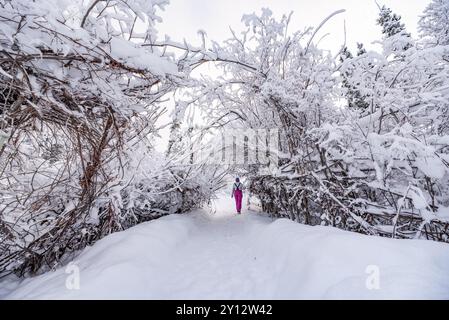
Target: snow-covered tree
point(394, 30)
point(82, 85)
point(353, 96)
point(399, 144)
point(360, 49)
point(434, 23)
point(390, 22)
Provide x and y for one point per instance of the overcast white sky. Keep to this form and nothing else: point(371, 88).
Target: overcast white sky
point(183, 18)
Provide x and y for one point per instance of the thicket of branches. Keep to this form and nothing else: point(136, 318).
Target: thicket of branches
point(81, 89)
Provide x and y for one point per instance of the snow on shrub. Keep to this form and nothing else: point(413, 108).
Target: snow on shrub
point(81, 89)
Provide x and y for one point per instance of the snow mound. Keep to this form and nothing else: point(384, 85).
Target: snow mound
point(328, 263)
point(124, 264)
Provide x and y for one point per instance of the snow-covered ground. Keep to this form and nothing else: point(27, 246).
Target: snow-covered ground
point(223, 256)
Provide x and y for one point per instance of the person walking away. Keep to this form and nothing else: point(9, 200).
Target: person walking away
point(237, 193)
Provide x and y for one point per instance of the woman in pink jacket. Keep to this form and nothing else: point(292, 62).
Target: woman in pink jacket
point(237, 193)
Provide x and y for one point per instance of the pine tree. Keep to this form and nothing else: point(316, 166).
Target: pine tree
point(392, 26)
point(353, 96)
point(390, 22)
point(345, 54)
point(360, 49)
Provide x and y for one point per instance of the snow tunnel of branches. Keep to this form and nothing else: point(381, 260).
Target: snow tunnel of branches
point(86, 88)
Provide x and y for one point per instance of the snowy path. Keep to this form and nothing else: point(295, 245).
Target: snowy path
point(224, 256)
point(220, 258)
